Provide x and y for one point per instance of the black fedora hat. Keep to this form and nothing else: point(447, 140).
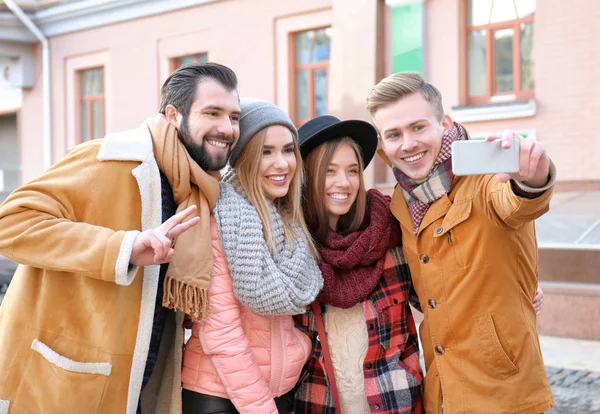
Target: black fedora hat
point(327, 127)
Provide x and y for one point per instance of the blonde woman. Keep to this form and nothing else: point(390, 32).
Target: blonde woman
point(246, 356)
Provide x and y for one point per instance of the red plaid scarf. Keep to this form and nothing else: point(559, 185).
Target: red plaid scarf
point(420, 195)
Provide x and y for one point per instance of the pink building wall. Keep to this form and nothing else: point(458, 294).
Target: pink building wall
point(136, 57)
point(30, 124)
point(251, 37)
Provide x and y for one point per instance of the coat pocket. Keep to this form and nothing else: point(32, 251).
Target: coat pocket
point(52, 383)
point(500, 358)
point(451, 238)
point(392, 320)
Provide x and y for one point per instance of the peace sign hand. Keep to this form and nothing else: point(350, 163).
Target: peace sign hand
point(155, 246)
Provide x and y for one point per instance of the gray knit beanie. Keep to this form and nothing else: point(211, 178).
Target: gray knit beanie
point(256, 115)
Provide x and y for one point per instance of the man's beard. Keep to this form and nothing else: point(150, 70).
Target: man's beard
point(199, 153)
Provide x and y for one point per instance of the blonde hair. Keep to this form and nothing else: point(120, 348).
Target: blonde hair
point(400, 85)
point(248, 170)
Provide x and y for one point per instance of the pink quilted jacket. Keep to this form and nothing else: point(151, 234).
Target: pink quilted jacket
point(238, 354)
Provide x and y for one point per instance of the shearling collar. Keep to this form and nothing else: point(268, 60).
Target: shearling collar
point(129, 145)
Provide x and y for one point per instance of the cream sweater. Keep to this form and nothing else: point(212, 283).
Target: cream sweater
point(348, 342)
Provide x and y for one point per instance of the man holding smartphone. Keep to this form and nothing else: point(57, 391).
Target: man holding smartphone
point(471, 246)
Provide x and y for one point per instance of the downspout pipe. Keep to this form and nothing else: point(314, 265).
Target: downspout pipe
point(18, 12)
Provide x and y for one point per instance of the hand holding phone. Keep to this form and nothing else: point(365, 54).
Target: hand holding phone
point(484, 157)
point(534, 163)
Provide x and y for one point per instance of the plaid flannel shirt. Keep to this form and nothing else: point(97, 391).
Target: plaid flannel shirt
point(393, 378)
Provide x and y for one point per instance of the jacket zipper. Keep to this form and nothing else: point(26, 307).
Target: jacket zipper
point(277, 355)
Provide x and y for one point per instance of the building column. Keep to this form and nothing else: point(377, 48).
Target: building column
point(353, 64)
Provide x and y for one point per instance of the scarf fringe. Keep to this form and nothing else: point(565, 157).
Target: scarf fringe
point(192, 301)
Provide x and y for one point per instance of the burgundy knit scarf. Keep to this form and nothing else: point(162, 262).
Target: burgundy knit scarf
point(353, 264)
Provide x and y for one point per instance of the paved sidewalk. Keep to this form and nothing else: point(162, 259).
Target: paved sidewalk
point(575, 392)
point(7, 269)
point(573, 368)
point(575, 354)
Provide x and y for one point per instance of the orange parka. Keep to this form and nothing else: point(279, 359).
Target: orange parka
point(474, 264)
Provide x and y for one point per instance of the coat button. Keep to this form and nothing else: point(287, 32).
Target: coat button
point(432, 303)
point(369, 365)
point(439, 349)
point(424, 258)
point(376, 406)
point(318, 339)
point(439, 230)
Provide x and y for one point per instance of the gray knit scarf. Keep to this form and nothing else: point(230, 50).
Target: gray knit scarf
point(280, 285)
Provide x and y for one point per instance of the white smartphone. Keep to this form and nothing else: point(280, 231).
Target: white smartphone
point(484, 157)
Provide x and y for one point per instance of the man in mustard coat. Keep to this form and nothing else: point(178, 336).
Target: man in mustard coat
point(82, 321)
point(471, 246)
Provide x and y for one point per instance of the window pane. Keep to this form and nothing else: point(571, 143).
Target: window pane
point(479, 12)
point(83, 113)
point(526, 8)
point(96, 119)
point(320, 92)
point(184, 60)
point(92, 82)
point(503, 51)
point(527, 63)
point(477, 73)
point(202, 57)
point(503, 10)
point(302, 95)
point(84, 77)
point(322, 45)
point(407, 38)
point(304, 43)
point(100, 76)
point(95, 82)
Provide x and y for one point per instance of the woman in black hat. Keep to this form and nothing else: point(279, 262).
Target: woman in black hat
point(368, 360)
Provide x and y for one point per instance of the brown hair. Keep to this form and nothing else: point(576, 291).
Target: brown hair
point(248, 171)
point(180, 87)
point(315, 211)
point(400, 85)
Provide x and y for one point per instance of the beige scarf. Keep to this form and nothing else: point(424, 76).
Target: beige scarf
point(190, 270)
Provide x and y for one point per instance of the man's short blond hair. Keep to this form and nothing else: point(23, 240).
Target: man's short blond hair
point(400, 85)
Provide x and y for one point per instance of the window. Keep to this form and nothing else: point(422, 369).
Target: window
point(500, 50)
point(311, 71)
point(184, 60)
point(92, 122)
